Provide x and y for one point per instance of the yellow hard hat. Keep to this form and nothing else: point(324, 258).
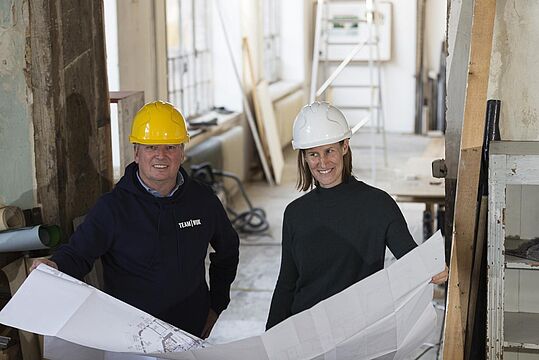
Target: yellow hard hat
point(158, 122)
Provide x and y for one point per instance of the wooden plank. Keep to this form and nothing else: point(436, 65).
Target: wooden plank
point(459, 34)
point(270, 128)
point(129, 103)
point(256, 105)
point(265, 118)
point(468, 179)
point(453, 333)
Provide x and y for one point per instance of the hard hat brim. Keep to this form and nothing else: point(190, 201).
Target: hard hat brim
point(313, 144)
point(135, 140)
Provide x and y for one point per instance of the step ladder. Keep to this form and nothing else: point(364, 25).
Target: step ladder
point(324, 45)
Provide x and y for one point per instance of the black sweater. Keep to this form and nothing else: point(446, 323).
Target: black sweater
point(333, 238)
point(153, 250)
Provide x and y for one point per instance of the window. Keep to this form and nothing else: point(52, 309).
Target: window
point(272, 40)
point(189, 76)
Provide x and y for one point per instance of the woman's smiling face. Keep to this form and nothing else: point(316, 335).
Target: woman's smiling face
point(326, 163)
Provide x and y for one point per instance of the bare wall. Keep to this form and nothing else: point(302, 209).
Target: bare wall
point(16, 143)
point(513, 69)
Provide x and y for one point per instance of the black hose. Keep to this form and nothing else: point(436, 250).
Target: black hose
point(251, 221)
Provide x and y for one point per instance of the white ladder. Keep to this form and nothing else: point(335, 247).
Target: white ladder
point(375, 107)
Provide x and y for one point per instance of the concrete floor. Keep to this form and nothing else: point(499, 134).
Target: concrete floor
point(260, 255)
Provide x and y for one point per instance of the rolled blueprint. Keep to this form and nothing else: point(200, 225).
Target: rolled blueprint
point(29, 238)
point(11, 217)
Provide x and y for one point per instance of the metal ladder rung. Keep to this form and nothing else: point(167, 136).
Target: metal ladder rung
point(323, 58)
point(353, 86)
point(358, 107)
point(344, 20)
point(350, 43)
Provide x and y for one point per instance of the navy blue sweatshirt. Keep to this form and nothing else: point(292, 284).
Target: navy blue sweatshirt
point(153, 250)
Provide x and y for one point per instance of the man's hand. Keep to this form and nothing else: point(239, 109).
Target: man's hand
point(210, 321)
point(48, 262)
point(440, 278)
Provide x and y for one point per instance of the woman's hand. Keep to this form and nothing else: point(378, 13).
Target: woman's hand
point(441, 277)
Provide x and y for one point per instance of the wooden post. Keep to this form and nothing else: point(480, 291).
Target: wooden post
point(468, 179)
point(129, 103)
point(71, 117)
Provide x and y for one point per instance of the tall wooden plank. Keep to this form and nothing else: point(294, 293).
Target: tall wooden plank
point(254, 83)
point(458, 37)
point(265, 118)
point(466, 204)
point(261, 92)
point(453, 327)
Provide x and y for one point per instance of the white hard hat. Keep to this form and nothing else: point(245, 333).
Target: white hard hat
point(319, 123)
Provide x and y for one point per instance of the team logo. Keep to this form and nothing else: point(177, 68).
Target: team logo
point(189, 223)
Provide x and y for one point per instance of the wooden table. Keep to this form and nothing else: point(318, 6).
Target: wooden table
point(417, 185)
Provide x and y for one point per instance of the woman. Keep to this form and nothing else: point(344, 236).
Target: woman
point(336, 234)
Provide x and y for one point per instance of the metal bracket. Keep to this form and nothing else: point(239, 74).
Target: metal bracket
point(439, 169)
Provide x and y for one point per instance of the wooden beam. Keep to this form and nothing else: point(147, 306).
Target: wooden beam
point(466, 204)
point(71, 117)
point(458, 37)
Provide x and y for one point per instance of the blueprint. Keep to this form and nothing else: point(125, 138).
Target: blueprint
point(52, 303)
point(385, 316)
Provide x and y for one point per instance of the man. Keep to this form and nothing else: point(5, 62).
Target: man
point(153, 230)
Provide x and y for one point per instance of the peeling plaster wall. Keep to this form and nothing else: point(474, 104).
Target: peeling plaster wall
point(514, 78)
point(17, 184)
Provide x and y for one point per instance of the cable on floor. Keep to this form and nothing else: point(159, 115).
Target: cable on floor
point(251, 221)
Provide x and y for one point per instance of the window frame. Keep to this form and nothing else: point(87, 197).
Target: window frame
point(190, 84)
point(272, 40)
